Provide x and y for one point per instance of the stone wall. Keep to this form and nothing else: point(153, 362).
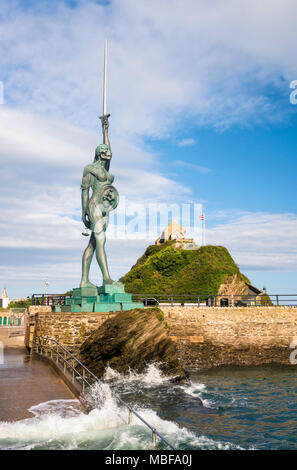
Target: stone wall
point(212, 336)
point(70, 329)
point(205, 336)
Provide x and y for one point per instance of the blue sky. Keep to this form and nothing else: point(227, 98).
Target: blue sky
point(200, 106)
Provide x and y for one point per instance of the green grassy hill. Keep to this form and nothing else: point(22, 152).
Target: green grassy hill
point(162, 269)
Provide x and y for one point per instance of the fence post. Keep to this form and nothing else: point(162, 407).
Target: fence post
point(64, 362)
point(73, 370)
point(277, 300)
point(130, 417)
point(84, 377)
point(153, 439)
point(198, 300)
point(171, 299)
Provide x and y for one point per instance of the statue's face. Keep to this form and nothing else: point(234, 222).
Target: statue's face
point(103, 152)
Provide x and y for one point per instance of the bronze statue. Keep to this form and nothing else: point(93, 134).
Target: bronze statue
point(95, 209)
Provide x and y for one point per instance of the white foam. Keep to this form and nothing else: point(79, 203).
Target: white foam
point(198, 390)
point(151, 376)
point(60, 424)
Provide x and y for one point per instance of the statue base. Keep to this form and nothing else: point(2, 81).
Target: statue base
point(107, 298)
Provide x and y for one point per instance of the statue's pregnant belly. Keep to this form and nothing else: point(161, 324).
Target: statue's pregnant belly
point(105, 198)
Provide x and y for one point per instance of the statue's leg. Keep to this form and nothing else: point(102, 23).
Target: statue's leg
point(86, 262)
point(101, 256)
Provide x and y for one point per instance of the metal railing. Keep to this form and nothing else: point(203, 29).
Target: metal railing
point(228, 300)
point(80, 374)
point(49, 299)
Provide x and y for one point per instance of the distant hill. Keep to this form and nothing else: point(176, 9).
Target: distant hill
point(163, 269)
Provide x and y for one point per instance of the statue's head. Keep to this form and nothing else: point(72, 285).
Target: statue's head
point(102, 152)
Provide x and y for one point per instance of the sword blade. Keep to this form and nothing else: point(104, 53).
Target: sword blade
point(104, 79)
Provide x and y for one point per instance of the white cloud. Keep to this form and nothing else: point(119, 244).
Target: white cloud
point(210, 62)
point(192, 166)
point(259, 240)
point(187, 142)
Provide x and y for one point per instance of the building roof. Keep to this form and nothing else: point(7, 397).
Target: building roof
point(254, 289)
point(4, 294)
point(173, 227)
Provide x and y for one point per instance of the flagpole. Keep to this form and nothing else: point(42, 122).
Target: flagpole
point(204, 227)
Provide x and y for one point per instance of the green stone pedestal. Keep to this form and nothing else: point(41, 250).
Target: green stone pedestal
point(108, 298)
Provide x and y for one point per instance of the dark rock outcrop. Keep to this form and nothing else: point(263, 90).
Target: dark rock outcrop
point(132, 340)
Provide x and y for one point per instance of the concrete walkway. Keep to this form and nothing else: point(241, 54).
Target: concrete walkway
point(25, 381)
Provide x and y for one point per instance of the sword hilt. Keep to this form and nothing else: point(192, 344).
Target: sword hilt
point(104, 117)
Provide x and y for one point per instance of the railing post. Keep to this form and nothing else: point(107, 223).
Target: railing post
point(153, 439)
point(73, 370)
point(130, 417)
point(277, 300)
point(57, 352)
point(198, 300)
point(171, 300)
point(84, 378)
point(64, 362)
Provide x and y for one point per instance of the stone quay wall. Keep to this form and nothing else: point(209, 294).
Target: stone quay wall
point(215, 336)
point(204, 336)
point(70, 329)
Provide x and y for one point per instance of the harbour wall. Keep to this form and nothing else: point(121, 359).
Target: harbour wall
point(204, 336)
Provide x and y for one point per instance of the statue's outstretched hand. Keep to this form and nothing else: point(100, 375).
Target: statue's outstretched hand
point(104, 121)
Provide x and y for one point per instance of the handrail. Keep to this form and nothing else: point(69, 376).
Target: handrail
point(115, 395)
point(219, 300)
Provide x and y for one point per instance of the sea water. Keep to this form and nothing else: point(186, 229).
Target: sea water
point(220, 408)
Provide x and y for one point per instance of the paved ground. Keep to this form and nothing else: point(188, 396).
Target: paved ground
point(25, 381)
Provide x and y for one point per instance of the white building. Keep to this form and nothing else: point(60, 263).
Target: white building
point(4, 301)
point(175, 232)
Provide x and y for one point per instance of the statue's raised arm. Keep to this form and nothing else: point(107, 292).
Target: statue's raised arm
point(105, 125)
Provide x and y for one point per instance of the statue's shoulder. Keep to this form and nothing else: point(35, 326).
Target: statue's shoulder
point(88, 169)
point(95, 169)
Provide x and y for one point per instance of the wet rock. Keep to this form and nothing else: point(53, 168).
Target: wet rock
point(132, 340)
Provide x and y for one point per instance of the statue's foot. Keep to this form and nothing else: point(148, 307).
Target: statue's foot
point(110, 281)
point(87, 284)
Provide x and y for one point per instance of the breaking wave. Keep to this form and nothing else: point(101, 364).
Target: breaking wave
point(63, 424)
